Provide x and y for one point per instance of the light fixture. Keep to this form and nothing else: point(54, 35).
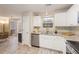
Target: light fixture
point(2, 22)
point(48, 4)
point(47, 7)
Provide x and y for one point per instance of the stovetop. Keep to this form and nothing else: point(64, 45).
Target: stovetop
point(75, 45)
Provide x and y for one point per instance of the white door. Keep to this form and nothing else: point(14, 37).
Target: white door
point(26, 30)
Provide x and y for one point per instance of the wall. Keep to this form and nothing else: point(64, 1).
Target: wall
point(4, 23)
point(7, 28)
point(1, 28)
point(74, 29)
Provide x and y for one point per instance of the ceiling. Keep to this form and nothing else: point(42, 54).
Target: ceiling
point(19, 9)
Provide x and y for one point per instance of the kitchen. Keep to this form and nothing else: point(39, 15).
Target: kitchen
point(50, 26)
point(64, 29)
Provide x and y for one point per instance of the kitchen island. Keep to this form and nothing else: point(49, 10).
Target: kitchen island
point(52, 42)
point(72, 44)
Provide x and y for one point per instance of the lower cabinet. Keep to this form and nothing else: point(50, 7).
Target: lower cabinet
point(46, 41)
point(52, 42)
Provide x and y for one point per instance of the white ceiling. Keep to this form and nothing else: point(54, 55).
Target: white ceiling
point(18, 9)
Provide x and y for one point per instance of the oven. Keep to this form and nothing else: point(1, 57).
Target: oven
point(72, 47)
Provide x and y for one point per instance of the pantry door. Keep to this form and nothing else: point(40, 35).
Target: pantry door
point(26, 36)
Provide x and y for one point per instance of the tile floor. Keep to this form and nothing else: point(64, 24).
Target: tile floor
point(11, 46)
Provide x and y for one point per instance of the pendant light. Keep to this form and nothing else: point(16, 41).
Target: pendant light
point(47, 7)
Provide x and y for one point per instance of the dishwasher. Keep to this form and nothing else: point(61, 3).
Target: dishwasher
point(35, 40)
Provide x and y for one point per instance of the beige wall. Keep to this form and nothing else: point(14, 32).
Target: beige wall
point(7, 29)
point(4, 21)
point(1, 28)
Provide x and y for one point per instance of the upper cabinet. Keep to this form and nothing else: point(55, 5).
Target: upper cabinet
point(60, 19)
point(68, 18)
point(37, 21)
point(72, 16)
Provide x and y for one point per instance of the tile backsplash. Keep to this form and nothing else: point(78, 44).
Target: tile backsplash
point(74, 29)
point(70, 28)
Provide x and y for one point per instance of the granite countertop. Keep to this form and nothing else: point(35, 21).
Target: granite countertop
point(71, 38)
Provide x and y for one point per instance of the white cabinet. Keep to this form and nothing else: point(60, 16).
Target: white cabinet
point(68, 18)
point(59, 43)
point(60, 19)
point(46, 41)
point(53, 42)
point(37, 21)
point(72, 16)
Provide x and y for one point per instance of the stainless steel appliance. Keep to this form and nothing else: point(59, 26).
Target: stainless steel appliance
point(20, 37)
point(72, 47)
point(35, 40)
point(48, 22)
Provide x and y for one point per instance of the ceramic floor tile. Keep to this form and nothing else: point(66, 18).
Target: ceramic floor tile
point(11, 46)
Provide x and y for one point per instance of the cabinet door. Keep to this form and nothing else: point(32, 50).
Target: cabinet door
point(43, 41)
point(59, 43)
point(46, 42)
point(37, 21)
point(60, 19)
point(71, 17)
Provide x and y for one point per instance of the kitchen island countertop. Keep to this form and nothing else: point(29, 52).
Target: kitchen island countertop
point(72, 38)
